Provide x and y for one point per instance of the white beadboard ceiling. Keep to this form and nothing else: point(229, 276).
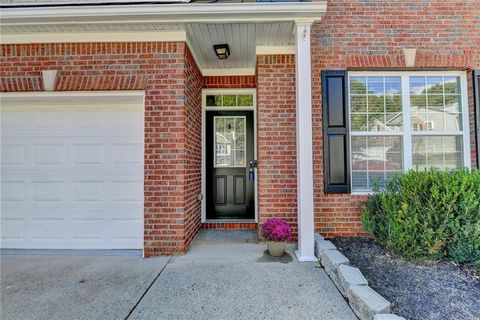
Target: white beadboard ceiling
point(242, 38)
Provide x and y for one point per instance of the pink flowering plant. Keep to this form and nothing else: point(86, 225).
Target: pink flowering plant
point(276, 230)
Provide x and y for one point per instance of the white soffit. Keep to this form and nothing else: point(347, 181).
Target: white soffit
point(252, 28)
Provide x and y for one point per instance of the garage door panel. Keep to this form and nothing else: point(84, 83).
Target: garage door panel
point(98, 191)
point(13, 154)
point(72, 176)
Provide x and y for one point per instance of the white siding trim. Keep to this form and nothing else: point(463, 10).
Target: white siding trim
point(163, 36)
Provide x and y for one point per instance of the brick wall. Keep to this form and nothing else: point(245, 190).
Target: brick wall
point(218, 82)
point(193, 144)
point(157, 68)
point(359, 34)
point(277, 162)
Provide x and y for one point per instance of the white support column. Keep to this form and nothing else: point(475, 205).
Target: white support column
point(303, 66)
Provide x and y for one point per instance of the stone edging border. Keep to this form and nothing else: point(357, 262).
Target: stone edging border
point(364, 301)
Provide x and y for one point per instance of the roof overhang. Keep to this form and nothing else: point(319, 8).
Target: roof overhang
point(166, 13)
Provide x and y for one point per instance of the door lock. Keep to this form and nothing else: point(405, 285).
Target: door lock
point(251, 171)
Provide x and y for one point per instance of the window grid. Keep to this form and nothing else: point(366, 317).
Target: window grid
point(461, 151)
point(237, 138)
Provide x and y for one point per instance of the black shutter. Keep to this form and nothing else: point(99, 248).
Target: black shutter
point(476, 89)
point(335, 131)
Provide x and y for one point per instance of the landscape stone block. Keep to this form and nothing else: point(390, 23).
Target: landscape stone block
point(390, 316)
point(348, 276)
point(331, 259)
point(366, 303)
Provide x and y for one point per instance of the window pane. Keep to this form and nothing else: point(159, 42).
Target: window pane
point(375, 85)
point(393, 103)
point(373, 160)
point(434, 85)
point(358, 85)
point(440, 152)
point(380, 110)
point(358, 104)
point(229, 100)
point(452, 85)
point(376, 122)
point(245, 100)
point(214, 101)
point(393, 85)
point(453, 103)
point(358, 121)
point(417, 85)
point(230, 141)
point(435, 110)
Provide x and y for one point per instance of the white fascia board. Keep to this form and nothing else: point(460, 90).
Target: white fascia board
point(262, 50)
point(65, 37)
point(229, 72)
point(166, 13)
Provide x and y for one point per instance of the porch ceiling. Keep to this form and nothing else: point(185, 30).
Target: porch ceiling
point(245, 27)
point(242, 38)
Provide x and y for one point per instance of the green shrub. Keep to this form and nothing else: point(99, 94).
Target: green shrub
point(428, 215)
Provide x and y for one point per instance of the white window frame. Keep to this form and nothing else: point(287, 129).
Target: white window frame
point(407, 132)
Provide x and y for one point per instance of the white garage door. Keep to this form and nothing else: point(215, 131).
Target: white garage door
point(72, 171)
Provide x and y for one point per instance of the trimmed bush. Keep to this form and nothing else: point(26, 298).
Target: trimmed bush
point(428, 215)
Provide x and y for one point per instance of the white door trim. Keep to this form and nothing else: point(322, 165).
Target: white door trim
point(206, 92)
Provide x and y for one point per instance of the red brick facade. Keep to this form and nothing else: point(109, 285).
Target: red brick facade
point(370, 35)
point(353, 35)
point(172, 117)
point(221, 82)
point(193, 144)
point(276, 139)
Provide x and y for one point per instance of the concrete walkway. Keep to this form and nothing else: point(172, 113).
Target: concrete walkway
point(226, 275)
point(237, 279)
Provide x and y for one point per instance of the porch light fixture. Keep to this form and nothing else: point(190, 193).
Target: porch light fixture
point(222, 51)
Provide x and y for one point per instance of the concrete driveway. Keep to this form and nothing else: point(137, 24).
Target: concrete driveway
point(217, 279)
point(90, 287)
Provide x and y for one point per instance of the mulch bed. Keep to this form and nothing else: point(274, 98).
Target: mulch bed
point(418, 290)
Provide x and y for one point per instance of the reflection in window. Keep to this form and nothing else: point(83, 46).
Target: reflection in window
point(375, 159)
point(435, 104)
point(229, 100)
point(375, 108)
point(379, 145)
point(441, 152)
point(230, 141)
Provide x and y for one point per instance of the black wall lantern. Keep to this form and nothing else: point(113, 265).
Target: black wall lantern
point(222, 51)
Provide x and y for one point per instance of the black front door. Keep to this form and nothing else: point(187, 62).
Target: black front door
point(230, 175)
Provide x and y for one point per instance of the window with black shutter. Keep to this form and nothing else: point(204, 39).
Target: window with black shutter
point(335, 131)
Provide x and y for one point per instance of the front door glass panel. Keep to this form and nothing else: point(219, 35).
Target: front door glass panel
point(230, 141)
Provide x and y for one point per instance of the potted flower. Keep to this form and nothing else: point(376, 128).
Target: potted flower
point(276, 233)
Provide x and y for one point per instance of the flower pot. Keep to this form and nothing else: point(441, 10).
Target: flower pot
point(275, 248)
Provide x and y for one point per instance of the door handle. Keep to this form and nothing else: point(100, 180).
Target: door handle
point(251, 171)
